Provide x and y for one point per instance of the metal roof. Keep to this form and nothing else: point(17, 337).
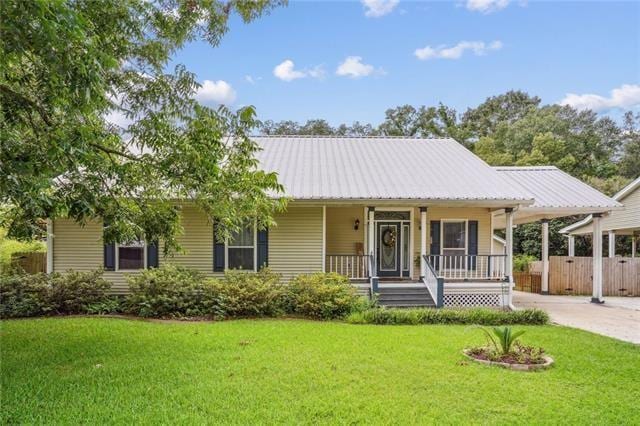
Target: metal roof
point(383, 168)
point(553, 188)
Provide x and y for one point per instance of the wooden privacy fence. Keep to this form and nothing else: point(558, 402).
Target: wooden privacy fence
point(573, 275)
point(32, 262)
point(528, 281)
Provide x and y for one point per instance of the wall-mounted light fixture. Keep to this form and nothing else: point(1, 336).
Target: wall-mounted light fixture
point(356, 224)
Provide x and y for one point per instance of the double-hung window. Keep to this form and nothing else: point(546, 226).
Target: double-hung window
point(454, 238)
point(241, 249)
point(131, 255)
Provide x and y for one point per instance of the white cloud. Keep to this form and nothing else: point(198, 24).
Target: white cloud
point(455, 52)
point(252, 80)
point(625, 96)
point(286, 71)
point(353, 67)
point(219, 92)
point(486, 6)
point(378, 8)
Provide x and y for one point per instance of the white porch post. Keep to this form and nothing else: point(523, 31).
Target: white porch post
point(423, 239)
point(372, 237)
point(508, 213)
point(324, 238)
point(633, 245)
point(49, 246)
point(612, 244)
point(597, 259)
point(572, 245)
point(545, 256)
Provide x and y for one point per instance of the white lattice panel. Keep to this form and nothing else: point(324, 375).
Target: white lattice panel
point(472, 299)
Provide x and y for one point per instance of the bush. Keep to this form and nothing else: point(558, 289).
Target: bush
point(27, 295)
point(522, 262)
point(250, 294)
point(323, 295)
point(171, 291)
point(480, 316)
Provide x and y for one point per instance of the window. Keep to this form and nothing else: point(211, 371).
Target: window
point(131, 255)
point(241, 249)
point(454, 238)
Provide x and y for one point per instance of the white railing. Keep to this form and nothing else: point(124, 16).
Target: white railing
point(353, 266)
point(433, 283)
point(465, 267)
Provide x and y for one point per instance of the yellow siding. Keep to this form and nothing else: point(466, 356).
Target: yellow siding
point(627, 219)
point(196, 241)
point(295, 244)
point(341, 237)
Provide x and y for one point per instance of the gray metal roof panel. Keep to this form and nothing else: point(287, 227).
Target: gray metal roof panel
point(382, 168)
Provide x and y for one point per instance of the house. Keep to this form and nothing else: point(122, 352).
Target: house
point(618, 222)
point(409, 219)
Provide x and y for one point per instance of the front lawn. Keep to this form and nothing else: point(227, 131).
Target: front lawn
point(100, 370)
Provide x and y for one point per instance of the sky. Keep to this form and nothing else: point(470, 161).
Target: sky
point(350, 61)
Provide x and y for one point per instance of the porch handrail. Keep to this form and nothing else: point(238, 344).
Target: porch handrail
point(353, 266)
point(434, 283)
point(469, 266)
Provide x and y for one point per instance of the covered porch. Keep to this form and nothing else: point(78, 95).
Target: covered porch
point(444, 251)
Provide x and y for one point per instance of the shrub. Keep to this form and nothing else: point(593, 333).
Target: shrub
point(171, 291)
point(8, 247)
point(522, 262)
point(480, 316)
point(250, 294)
point(323, 295)
point(26, 295)
point(74, 291)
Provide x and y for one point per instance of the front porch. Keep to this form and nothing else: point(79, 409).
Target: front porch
point(417, 256)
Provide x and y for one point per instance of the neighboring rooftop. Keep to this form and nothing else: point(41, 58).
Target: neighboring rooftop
point(383, 168)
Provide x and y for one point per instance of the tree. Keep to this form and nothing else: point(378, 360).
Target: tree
point(424, 122)
point(630, 161)
point(66, 65)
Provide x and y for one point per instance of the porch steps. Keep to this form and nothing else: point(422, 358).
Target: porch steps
point(399, 296)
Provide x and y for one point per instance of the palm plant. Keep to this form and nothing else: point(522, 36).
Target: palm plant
point(503, 338)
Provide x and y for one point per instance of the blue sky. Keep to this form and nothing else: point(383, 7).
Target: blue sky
point(550, 49)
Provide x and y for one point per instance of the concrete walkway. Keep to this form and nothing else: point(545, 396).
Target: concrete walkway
point(618, 317)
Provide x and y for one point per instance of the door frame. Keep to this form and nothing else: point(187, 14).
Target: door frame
point(411, 234)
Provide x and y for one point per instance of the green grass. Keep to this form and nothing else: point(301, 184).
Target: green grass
point(99, 370)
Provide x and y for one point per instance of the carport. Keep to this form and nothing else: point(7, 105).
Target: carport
point(557, 194)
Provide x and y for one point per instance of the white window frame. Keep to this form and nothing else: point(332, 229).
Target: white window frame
point(254, 247)
point(144, 257)
point(466, 234)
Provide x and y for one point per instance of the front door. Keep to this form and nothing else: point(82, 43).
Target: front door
point(388, 248)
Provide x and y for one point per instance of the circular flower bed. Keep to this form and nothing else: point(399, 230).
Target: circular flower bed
point(520, 357)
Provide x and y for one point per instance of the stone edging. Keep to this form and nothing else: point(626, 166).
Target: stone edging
point(548, 361)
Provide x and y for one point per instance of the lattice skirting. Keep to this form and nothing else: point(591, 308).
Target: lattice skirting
point(472, 299)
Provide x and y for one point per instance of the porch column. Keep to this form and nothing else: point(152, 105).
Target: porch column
point(423, 239)
point(633, 245)
point(572, 245)
point(545, 256)
point(597, 259)
point(508, 215)
point(371, 238)
point(612, 244)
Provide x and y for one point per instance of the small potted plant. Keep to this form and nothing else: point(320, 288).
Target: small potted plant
point(504, 349)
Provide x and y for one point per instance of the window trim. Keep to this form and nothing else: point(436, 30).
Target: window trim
point(466, 234)
point(254, 247)
point(144, 257)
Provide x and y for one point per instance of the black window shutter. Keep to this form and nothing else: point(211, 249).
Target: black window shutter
point(152, 255)
point(263, 249)
point(473, 243)
point(109, 256)
point(435, 237)
point(218, 252)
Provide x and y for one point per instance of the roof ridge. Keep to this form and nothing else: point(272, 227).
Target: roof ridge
point(351, 137)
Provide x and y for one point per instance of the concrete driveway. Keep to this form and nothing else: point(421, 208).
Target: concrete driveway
point(618, 317)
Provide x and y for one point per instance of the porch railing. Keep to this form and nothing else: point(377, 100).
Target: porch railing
point(434, 284)
point(354, 266)
point(470, 266)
